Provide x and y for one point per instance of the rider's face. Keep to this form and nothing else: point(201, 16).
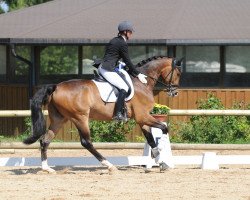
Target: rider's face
point(129, 34)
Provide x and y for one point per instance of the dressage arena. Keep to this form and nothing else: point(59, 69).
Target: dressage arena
point(130, 182)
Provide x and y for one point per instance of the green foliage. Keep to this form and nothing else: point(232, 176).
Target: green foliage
point(214, 129)
point(1, 11)
point(17, 4)
point(22, 68)
point(21, 137)
point(101, 131)
point(110, 131)
point(59, 60)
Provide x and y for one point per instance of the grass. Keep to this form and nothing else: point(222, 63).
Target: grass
point(19, 138)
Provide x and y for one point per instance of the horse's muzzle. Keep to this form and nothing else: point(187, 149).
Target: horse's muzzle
point(172, 91)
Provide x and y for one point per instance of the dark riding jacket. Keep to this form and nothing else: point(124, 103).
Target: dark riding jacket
point(117, 49)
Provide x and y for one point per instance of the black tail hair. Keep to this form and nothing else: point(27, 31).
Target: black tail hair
point(38, 122)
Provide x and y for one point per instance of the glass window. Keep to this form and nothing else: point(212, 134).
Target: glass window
point(137, 53)
point(59, 60)
point(201, 67)
point(157, 51)
point(19, 67)
point(90, 53)
point(2, 60)
point(238, 59)
point(200, 59)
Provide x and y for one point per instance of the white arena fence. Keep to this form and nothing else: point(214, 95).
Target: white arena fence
point(208, 160)
point(26, 113)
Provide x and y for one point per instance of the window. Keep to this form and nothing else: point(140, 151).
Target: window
point(19, 70)
point(157, 51)
point(201, 67)
point(200, 58)
point(89, 54)
point(139, 53)
point(19, 67)
point(136, 53)
point(238, 59)
point(237, 66)
point(2, 62)
point(59, 60)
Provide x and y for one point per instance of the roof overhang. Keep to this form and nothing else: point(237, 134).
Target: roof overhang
point(81, 41)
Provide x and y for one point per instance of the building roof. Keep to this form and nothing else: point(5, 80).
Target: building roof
point(158, 21)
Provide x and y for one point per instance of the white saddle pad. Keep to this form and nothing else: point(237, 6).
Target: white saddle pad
point(106, 89)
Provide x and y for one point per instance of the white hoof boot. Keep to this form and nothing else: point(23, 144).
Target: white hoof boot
point(46, 168)
point(49, 170)
point(112, 170)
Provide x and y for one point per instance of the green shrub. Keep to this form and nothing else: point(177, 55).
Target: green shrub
point(110, 131)
point(21, 137)
point(214, 129)
point(101, 131)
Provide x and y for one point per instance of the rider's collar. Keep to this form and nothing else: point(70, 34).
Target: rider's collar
point(124, 38)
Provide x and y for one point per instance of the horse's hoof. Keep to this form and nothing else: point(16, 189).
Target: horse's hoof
point(147, 170)
point(49, 170)
point(113, 170)
point(163, 167)
point(155, 152)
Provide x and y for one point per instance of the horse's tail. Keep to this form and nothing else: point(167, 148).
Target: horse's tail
point(40, 98)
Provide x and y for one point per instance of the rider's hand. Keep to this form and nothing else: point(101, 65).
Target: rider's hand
point(142, 78)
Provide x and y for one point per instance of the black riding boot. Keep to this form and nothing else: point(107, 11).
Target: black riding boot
point(118, 114)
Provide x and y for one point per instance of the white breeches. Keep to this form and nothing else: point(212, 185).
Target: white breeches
point(113, 78)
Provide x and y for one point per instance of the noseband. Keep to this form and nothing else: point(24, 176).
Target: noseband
point(171, 89)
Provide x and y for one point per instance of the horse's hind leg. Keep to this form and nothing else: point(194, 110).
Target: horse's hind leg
point(83, 128)
point(44, 144)
point(57, 120)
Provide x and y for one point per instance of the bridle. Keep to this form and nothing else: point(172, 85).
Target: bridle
point(170, 88)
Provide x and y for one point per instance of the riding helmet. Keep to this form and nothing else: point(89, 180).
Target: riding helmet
point(125, 26)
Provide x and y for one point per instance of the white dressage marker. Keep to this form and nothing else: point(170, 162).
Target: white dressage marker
point(164, 146)
point(210, 161)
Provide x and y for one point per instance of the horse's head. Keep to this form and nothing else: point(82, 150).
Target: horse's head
point(168, 68)
point(171, 73)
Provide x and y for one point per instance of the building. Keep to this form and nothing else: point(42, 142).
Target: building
point(59, 39)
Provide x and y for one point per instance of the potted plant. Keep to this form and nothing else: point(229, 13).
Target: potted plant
point(160, 112)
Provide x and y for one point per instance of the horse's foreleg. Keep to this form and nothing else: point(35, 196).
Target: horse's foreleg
point(150, 139)
point(145, 126)
point(160, 125)
point(44, 144)
point(146, 130)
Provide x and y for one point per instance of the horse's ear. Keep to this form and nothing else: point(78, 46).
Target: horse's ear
point(179, 62)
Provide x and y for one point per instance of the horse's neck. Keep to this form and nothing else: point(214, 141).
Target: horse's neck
point(153, 73)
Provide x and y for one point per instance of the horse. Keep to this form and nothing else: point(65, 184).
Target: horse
point(79, 101)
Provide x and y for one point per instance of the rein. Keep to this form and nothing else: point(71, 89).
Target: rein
point(170, 88)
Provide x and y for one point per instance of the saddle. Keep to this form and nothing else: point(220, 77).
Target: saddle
point(109, 92)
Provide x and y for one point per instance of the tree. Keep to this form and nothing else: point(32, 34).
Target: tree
point(1, 11)
point(17, 4)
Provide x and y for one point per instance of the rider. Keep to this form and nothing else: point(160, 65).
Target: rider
point(117, 49)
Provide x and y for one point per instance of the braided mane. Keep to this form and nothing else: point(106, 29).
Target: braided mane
point(143, 62)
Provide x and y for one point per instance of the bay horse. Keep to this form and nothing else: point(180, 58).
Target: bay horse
point(79, 101)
